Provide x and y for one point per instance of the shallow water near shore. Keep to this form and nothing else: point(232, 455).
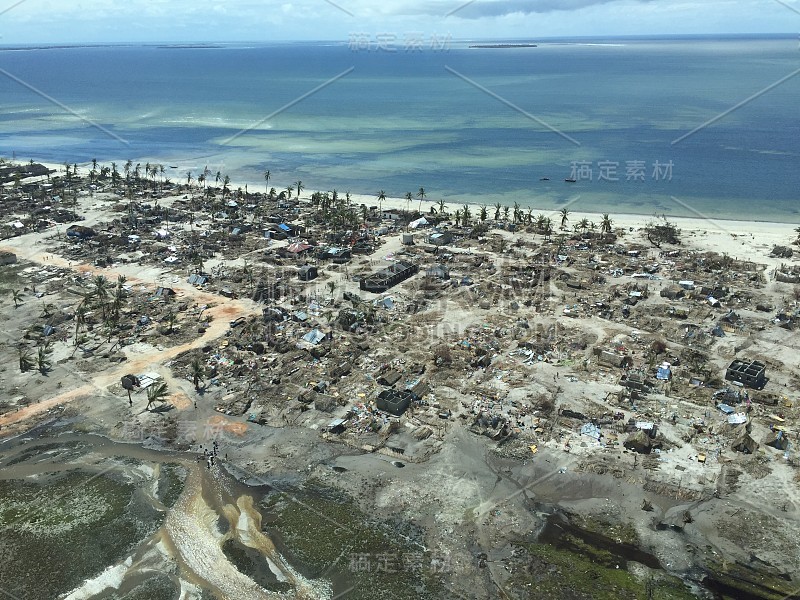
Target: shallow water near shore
point(617, 111)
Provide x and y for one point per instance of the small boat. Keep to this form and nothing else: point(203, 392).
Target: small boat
point(570, 180)
point(544, 179)
point(173, 166)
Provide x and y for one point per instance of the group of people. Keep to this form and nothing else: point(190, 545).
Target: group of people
point(211, 454)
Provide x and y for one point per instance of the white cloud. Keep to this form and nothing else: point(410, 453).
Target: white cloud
point(43, 21)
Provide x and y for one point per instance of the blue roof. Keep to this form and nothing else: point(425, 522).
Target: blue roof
point(285, 227)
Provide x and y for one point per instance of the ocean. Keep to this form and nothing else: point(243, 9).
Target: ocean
point(692, 126)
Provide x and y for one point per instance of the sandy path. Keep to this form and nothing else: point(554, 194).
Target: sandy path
point(25, 249)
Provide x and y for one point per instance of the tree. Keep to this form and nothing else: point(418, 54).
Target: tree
point(299, 187)
point(497, 208)
point(157, 392)
point(506, 210)
point(465, 215)
point(267, 175)
point(25, 361)
point(457, 217)
point(381, 198)
point(16, 296)
point(662, 231)
point(80, 319)
point(484, 213)
point(564, 217)
point(547, 227)
point(43, 359)
point(421, 196)
point(583, 225)
point(197, 371)
point(442, 207)
point(331, 286)
point(408, 198)
point(606, 225)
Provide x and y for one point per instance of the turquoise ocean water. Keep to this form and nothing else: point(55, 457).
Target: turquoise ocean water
point(467, 124)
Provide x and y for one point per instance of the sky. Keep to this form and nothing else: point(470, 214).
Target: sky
point(103, 21)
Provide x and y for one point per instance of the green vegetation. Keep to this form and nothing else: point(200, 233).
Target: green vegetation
point(253, 564)
point(588, 573)
point(76, 526)
point(325, 532)
point(170, 484)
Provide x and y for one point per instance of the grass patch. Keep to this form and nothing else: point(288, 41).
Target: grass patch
point(171, 483)
point(325, 532)
point(587, 574)
point(54, 536)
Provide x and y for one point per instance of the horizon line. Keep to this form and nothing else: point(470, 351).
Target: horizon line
point(644, 36)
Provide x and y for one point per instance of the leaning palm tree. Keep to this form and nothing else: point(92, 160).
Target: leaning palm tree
point(564, 217)
point(197, 371)
point(16, 296)
point(157, 392)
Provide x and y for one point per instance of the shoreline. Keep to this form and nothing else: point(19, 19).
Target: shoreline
point(621, 219)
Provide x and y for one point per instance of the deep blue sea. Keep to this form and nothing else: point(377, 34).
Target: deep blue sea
point(480, 125)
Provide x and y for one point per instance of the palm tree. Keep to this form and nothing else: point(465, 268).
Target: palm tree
point(299, 187)
point(197, 371)
point(516, 212)
point(484, 213)
point(16, 296)
point(583, 225)
point(289, 190)
point(25, 361)
point(548, 227)
point(331, 286)
point(497, 208)
point(457, 217)
point(42, 359)
point(506, 210)
point(442, 207)
point(80, 319)
point(267, 175)
point(101, 291)
point(564, 217)
point(157, 392)
point(465, 215)
point(607, 225)
point(421, 196)
point(408, 198)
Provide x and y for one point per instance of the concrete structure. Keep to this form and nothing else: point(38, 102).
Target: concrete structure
point(385, 278)
point(750, 373)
